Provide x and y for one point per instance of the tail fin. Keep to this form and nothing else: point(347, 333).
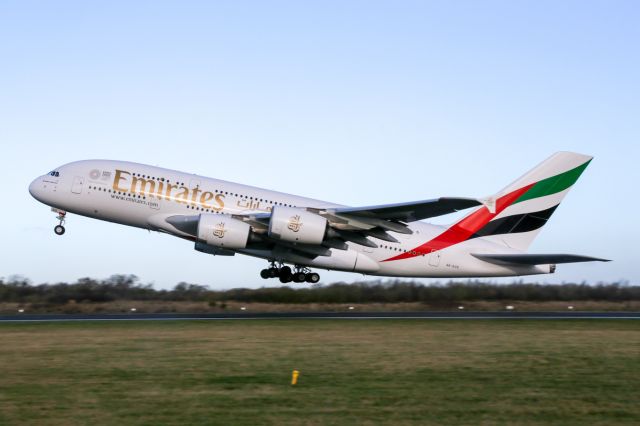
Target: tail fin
point(519, 211)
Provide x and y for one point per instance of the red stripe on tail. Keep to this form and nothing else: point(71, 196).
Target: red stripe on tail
point(464, 229)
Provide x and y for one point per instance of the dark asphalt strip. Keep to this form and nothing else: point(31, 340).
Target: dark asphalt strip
point(319, 315)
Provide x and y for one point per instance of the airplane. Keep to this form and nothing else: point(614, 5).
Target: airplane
point(295, 234)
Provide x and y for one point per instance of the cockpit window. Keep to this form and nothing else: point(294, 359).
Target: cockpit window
point(54, 173)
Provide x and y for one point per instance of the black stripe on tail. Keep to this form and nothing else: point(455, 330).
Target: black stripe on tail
point(517, 223)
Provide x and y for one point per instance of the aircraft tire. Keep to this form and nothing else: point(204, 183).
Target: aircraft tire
point(285, 279)
point(286, 271)
point(312, 278)
point(59, 229)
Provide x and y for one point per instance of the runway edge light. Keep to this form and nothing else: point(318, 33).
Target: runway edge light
point(294, 377)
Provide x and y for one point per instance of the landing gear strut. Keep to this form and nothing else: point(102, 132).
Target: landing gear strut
point(59, 229)
point(286, 274)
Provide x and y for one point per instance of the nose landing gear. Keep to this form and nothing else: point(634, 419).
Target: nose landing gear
point(286, 275)
point(59, 229)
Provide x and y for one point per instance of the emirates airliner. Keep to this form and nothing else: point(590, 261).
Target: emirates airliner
point(294, 234)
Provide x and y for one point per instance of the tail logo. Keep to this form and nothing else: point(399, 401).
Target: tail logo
point(481, 222)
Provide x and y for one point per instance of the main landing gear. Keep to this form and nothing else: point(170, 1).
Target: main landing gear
point(286, 275)
point(59, 229)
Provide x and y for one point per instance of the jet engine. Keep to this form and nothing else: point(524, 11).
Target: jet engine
point(296, 225)
point(223, 231)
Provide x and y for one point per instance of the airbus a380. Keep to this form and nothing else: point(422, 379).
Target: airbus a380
point(225, 218)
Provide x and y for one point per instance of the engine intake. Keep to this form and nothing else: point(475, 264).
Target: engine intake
point(296, 225)
point(223, 231)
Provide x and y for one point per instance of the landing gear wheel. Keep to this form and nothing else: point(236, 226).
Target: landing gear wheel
point(285, 274)
point(312, 278)
point(273, 272)
point(59, 228)
point(285, 279)
point(285, 270)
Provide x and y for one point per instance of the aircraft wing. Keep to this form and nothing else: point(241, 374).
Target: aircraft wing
point(535, 259)
point(412, 211)
point(345, 224)
point(375, 221)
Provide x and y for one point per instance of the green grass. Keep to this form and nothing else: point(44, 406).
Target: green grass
point(352, 372)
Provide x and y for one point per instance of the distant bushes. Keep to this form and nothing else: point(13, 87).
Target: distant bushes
point(128, 287)
point(116, 287)
point(396, 291)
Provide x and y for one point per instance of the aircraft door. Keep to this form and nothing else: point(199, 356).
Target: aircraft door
point(76, 187)
point(434, 258)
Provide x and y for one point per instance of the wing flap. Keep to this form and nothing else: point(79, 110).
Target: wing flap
point(535, 259)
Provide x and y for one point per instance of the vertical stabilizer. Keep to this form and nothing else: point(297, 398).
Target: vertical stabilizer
point(523, 207)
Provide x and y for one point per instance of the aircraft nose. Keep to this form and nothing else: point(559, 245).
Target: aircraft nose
point(35, 188)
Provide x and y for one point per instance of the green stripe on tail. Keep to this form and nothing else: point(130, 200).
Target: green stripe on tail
point(554, 184)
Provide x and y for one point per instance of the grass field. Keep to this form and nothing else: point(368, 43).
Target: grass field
point(352, 372)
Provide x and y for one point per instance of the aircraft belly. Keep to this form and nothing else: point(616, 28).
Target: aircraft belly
point(456, 263)
point(339, 260)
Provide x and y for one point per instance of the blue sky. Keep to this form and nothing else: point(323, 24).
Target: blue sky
point(353, 102)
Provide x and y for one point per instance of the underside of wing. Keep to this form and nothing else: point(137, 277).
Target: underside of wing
point(535, 259)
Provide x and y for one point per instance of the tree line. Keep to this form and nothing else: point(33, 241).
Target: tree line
point(129, 287)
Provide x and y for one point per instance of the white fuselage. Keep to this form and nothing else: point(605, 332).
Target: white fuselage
point(144, 196)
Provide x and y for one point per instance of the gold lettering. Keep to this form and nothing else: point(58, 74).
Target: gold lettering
point(143, 185)
point(206, 197)
point(169, 188)
point(183, 197)
point(160, 190)
point(117, 178)
point(194, 194)
point(220, 201)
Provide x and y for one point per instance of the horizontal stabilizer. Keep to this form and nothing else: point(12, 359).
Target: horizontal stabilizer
point(535, 259)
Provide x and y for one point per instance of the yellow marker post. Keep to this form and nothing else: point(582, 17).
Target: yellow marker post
point(294, 377)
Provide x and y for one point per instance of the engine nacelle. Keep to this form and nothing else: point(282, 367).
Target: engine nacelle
point(223, 231)
point(296, 225)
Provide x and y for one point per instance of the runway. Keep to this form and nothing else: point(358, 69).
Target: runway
point(500, 315)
